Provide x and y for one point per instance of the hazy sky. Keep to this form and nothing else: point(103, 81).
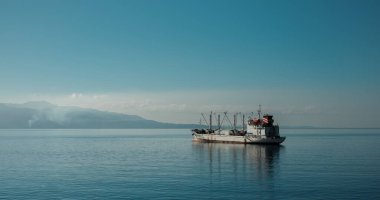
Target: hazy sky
point(309, 62)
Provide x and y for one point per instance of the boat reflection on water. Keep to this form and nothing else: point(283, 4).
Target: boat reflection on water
point(242, 161)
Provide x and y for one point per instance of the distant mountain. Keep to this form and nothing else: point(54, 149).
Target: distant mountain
point(44, 115)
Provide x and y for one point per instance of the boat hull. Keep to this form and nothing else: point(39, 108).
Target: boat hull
point(246, 139)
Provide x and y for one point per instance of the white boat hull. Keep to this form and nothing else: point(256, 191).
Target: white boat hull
point(246, 139)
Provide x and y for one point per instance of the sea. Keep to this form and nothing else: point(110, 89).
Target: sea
point(166, 164)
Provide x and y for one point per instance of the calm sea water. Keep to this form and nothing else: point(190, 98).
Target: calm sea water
point(166, 164)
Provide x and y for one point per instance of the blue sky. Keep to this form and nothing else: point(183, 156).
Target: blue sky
point(316, 60)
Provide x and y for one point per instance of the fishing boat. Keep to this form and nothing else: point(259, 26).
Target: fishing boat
point(256, 130)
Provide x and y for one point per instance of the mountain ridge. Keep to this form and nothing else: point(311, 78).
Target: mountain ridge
point(44, 115)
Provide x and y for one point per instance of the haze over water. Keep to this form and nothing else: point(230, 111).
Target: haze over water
point(166, 164)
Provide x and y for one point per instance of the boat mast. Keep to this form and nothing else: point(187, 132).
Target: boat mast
point(204, 118)
point(211, 120)
point(228, 119)
point(243, 122)
point(219, 121)
point(235, 121)
point(259, 112)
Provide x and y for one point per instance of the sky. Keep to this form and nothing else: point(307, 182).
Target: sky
point(310, 63)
